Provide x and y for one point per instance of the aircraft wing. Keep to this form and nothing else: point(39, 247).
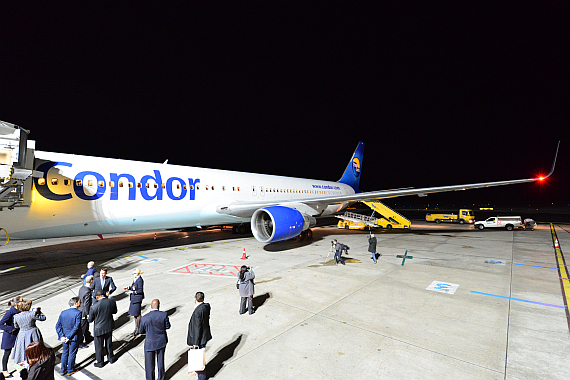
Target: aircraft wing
point(315, 206)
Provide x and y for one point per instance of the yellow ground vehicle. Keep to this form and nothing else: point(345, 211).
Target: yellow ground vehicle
point(464, 216)
point(386, 218)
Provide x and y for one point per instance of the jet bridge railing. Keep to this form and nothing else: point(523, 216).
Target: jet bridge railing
point(16, 166)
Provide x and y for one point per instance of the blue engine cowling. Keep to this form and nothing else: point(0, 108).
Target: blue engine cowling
point(277, 223)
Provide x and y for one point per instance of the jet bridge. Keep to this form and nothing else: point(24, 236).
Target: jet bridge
point(16, 166)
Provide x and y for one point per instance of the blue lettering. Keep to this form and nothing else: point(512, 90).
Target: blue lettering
point(144, 190)
point(169, 191)
point(115, 190)
point(192, 184)
point(101, 185)
point(80, 192)
point(44, 189)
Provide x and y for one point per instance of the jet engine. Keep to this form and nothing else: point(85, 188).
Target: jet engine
point(277, 223)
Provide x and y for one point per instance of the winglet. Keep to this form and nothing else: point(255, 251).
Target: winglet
point(351, 176)
point(553, 163)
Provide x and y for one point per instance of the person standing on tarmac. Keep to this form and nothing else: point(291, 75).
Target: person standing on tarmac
point(372, 246)
point(136, 293)
point(338, 252)
point(246, 289)
point(9, 332)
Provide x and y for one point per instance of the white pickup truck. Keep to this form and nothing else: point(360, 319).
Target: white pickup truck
point(508, 222)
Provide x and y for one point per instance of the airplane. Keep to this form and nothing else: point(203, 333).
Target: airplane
point(74, 195)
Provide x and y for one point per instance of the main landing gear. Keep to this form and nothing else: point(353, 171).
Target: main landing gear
point(240, 229)
point(307, 234)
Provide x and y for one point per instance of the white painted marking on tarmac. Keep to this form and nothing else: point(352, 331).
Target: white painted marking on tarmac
point(443, 287)
point(204, 269)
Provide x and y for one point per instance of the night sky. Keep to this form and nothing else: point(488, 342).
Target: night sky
point(441, 95)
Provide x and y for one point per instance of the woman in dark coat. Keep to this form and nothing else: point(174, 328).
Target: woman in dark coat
point(41, 361)
point(136, 296)
point(246, 289)
point(9, 333)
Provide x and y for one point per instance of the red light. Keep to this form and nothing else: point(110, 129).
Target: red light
point(541, 178)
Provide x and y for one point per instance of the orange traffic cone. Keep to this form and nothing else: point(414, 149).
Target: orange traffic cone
point(243, 257)
point(556, 243)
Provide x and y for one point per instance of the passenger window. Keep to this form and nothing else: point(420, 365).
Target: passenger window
point(54, 181)
point(79, 183)
point(111, 184)
point(156, 185)
point(66, 182)
point(89, 183)
point(207, 187)
point(131, 184)
point(164, 185)
point(197, 187)
point(120, 184)
point(212, 187)
point(178, 186)
point(101, 183)
point(223, 188)
point(139, 185)
point(191, 187)
point(147, 185)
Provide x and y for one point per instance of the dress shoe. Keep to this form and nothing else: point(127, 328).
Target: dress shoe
point(112, 360)
point(99, 365)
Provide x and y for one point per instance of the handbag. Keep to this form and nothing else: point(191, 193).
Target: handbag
point(237, 285)
point(196, 359)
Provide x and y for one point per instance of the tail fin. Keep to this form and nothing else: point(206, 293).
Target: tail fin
point(351, 176)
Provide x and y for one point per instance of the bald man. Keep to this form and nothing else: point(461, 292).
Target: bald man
point(154, 325)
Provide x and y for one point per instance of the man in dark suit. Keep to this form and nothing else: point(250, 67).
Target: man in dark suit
point(199, 327)
point(68, 331)
point(154, 325)
point(104, 283)
point(85, 295)
point(102, 314)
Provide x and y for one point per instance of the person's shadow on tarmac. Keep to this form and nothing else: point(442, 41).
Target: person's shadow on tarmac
point(215, 365)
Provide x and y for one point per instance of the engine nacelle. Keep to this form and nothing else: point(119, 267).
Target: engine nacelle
point(278, 223)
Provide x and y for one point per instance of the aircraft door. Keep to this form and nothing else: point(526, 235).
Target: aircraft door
point(253, 192)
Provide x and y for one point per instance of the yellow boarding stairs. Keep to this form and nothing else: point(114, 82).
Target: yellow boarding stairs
point(388, 218)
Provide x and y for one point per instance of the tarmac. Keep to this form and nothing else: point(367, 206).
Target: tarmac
point(469, 304)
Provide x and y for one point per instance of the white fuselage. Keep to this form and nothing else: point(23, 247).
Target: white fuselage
point(81, 195)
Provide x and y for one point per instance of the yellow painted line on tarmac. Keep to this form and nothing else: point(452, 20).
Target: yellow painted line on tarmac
point(11, 269)
point(562, 271)
point(7, 237)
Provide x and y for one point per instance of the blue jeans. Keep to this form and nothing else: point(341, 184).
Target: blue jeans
point(338, 257)
point(68, 355)
point(374, 257)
